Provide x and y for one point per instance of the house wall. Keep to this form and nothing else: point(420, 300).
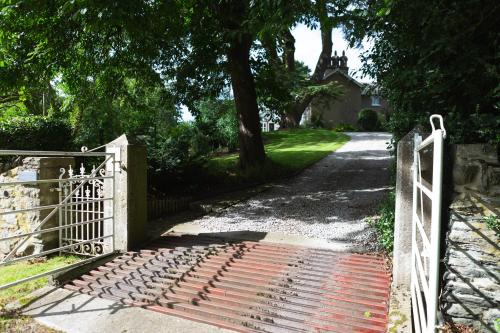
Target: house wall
point(366, 102)
point(342, 111)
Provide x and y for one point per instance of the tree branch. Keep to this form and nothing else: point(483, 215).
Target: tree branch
point(9, 98)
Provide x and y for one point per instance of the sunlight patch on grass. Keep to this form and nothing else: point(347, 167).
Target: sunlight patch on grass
point(287, 151)
point(22, 270)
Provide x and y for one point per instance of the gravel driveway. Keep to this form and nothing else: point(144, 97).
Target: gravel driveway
point(328, 200)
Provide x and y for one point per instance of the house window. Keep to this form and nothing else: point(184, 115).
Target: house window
point(375, 101)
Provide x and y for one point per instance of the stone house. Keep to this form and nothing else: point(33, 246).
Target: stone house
point(356, 96)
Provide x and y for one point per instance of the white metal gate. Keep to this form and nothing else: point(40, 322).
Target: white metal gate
point(82, 218)
point(85, 209)
point(426, 227)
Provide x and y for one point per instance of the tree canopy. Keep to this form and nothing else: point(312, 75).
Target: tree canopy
point(189, 50)
point(438, 57)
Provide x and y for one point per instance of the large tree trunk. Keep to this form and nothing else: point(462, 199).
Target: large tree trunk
point(291, 118)
point(250, 138)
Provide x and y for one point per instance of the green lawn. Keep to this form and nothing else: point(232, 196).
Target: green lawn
point(287, 151)
point(11, 321)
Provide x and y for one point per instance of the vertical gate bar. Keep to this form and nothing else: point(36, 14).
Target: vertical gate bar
point(61, 213)
point(81, 207)
point(437, 176)
point(92, 211)
point(71, 212)
point(87, 226)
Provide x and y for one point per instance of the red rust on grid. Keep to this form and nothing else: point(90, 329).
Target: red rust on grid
point(248, 286)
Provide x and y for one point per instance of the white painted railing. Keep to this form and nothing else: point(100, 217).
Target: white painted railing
point(426, 227)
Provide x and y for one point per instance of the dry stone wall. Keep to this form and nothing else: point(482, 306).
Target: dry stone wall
point(471, 289)
point(24, 196)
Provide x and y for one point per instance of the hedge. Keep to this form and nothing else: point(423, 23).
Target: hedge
point(35, 133)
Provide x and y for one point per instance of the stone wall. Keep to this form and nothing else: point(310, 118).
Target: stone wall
point(17, 197)
point(471, 281)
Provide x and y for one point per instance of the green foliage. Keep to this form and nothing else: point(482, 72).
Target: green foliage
point(331, 89)
point(277, 88)
point(384, 222)
point(439, 61)
point(171, 151)
point(368, 120)
point(25, 269)
point(493, 223)
point(344, 128)
point(35, 133)
point(217, 125)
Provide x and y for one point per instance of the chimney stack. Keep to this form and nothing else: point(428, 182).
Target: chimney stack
point(343, 63)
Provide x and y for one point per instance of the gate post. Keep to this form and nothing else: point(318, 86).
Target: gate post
point(400, 306)
point(403, 214)
point(130, 191)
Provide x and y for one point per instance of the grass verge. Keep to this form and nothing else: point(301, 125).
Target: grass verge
point(288, 152)
point(12, 320)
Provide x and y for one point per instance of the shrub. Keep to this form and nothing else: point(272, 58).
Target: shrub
point(344, 128)
point(35, 133)
point(384, 223)
point(171, 151)
point(217, 125)
point(493, 223)
point(368, 120)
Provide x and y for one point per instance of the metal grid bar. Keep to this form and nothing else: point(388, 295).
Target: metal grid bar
point(248, 286)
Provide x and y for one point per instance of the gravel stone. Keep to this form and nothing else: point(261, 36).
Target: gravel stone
point(329, 200)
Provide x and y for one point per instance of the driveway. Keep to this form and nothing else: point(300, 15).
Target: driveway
point(329, 200)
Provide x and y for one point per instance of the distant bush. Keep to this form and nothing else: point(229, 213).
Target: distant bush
point(344, 128)
point(217, 125)
point(35, 133)
point(172, 150)
point(368, 120)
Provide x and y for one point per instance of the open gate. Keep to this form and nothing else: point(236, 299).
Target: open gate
point(426, 227)
point(80, 221)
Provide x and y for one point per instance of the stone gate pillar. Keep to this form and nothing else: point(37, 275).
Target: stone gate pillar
point(130, 191)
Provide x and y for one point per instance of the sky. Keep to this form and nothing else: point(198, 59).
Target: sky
point(308, 48)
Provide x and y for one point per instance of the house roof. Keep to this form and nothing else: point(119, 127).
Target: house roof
point(366, 88)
